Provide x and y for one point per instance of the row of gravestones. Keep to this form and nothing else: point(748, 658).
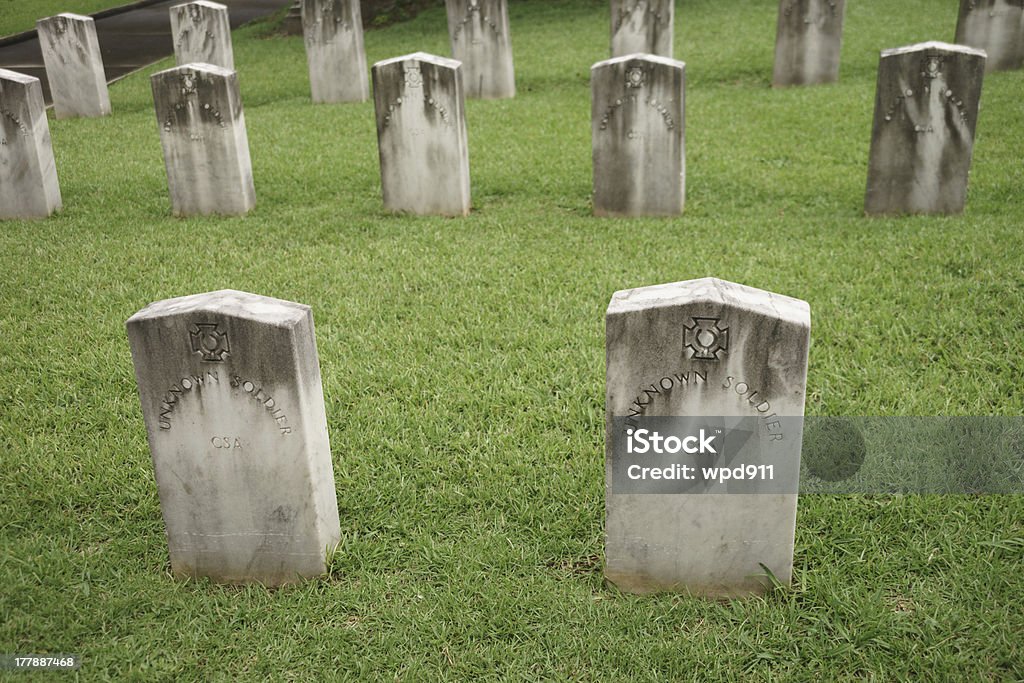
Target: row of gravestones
point(808, 40)
point(810, 34)
point(230, 386)
point(233, 404)
point(333, 34)
point(922, 141)
point(807, 44)
point(74, 67)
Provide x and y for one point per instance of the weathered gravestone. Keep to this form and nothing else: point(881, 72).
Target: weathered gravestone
point(995, 26)
point(28, 174)
point(807, 42)
point(421, 134)
point(234, 411)
point(731, 360)
point(202, 34)
point(74, 67)
point(480, 38)
point(202, 131)
point(638, 136)
point(642, 26)
point(926, 111)
point(333, 33)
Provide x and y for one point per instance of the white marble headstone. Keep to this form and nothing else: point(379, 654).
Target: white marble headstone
point(421, 134)
point(28, 174)
point(808, 39)
point(995, 26)
point(333, 34)
point(74, 66)
point(642, 26)
point(234, 411)
point(480, 37)
point(922, 139)
point(202, 34)
point(202, 131)
point(638, 136)
point(705, 348)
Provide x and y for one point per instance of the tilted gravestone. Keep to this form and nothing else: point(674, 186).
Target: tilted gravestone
point(28, 173)
point(808, 38)
point(926, 111)
point(481, 40)
point(643, 26)
point(638, 136)
point(74, 67)
point(421, 134)
point(333, 34)
point(722, 369)
point(234, 411)
point(202, 34)
point(995, 26)
point(202, 131)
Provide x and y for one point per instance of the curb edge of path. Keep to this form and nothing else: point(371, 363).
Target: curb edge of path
point(120, 9)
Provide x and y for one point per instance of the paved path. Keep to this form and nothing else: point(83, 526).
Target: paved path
point(130, 40)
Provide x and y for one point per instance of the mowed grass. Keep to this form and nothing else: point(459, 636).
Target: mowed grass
point(21, 15)
point(463, 368)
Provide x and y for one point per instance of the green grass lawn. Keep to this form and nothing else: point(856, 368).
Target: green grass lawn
point(21, 15)
point(463, 368)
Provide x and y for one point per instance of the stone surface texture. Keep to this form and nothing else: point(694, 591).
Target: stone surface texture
point(481, 40)
point(333, 33)
point(421, 134)
point(74, 66)
point(742, 352)
point(926, 112)
point(643, 26)
point(202, 131)
point(202, 34)
point(638, 136)
point(995, 26)
point(808, 39)
point(234, 411)
point(28, 173)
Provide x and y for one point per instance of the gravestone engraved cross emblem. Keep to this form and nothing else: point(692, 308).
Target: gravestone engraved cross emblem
point(209, 342)
point(705, 338)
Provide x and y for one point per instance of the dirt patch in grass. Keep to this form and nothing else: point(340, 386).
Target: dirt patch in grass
point(380, 13)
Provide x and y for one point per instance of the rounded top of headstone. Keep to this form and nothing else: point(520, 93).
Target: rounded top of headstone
point(640, 57)
point(421, 57)
point(228, 302)
point(201, 67)
point(201, 3)
point(24, 79)
point(715, 291)
point(71, 15)
point(934, 46)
